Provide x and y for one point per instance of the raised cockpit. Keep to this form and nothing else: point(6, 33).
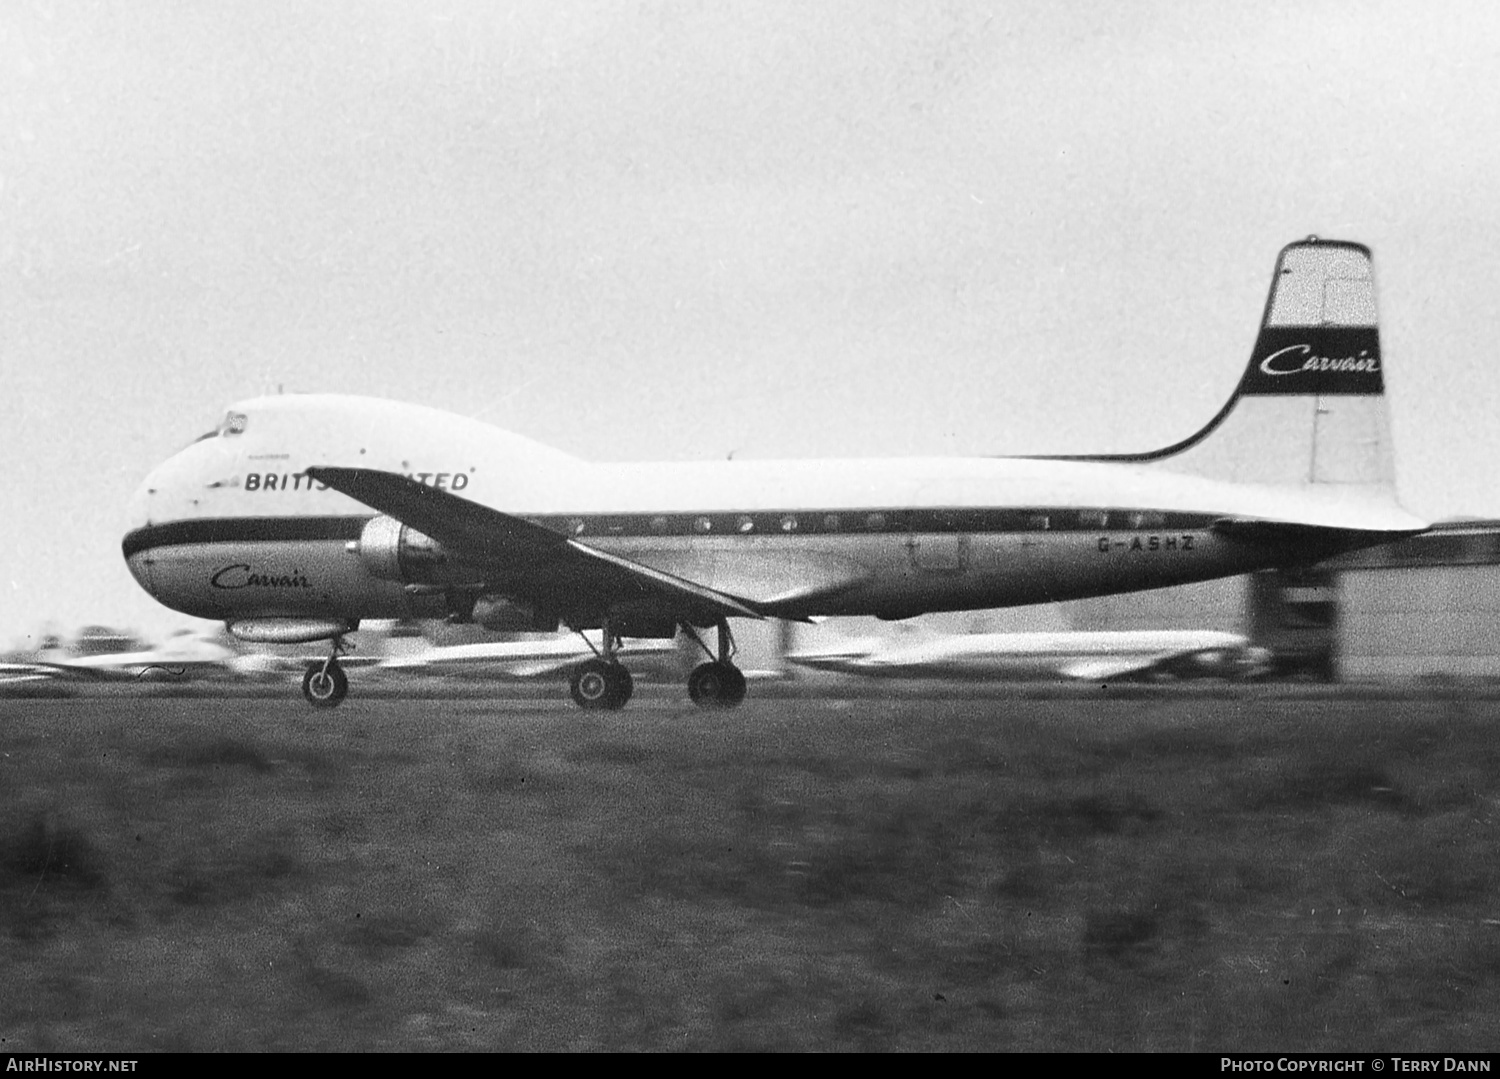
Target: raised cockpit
point(233, 423)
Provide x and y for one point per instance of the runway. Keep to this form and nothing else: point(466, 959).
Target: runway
point(1205, 868)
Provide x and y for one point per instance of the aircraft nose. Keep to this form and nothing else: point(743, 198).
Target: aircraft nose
point(139, 561)
point(180, 489)
point(136, 544)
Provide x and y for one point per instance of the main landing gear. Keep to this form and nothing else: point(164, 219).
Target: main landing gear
point(325, 684)
point(717, 683)
point(603, 682)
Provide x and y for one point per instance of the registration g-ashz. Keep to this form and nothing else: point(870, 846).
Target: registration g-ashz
point(1181, 542)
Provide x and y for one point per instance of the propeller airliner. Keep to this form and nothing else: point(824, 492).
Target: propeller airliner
point(300, 515)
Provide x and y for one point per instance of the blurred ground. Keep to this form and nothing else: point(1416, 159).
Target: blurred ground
point(1198, 868)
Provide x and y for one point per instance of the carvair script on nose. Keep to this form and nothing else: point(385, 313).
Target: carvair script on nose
point(239, 576)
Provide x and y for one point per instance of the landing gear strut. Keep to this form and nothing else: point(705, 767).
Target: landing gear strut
point(717, 683)
point(603, 683)
point(325, 684)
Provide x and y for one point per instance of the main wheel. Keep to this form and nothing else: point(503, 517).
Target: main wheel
point(599, 684)
point(716, 685)
point(325, 688)
point(624, 686)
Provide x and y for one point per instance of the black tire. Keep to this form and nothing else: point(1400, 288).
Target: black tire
point(734, 686)
point(624, 687)
point(716, 685)
point(599, 685)
point(325, 690)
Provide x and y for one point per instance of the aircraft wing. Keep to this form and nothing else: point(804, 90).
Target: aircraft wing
point(538, 668)
point(529, 560)
point(1169, 660)
point(533, 666)
point(1105, 668)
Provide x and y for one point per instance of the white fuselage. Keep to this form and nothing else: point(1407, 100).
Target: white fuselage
point(230, 528)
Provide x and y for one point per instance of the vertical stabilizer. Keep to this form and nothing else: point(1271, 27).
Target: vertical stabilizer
point(1311, 407)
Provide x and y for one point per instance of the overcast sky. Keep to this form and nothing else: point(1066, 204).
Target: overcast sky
point(680, 230)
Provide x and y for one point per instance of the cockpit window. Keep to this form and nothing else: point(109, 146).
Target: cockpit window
point(233, 423)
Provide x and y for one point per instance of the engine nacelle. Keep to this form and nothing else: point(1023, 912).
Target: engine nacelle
point(506, 616)
point(393, 551)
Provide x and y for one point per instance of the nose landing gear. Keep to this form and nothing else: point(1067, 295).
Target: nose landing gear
point(325, 684)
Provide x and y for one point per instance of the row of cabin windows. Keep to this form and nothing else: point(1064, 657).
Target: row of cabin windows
point(743, 523)
point(898, 520)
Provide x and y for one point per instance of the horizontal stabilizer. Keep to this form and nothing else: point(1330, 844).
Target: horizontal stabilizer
point(1304, 536)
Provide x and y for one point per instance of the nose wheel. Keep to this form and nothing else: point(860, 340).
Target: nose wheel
point(325, 684)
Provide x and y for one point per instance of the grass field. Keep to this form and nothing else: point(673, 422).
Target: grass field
point(1201, 872)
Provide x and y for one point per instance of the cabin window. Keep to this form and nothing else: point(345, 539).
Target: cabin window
point(576, 526)
point(1093, 519)
point(1147, 519)
point(1039, 522)
point(789, 523)
point(660, 525)
point(830, 522)
point(744, 523)
point(875, 522)
point(703, 524)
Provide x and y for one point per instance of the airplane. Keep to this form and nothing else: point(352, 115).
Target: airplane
point(16, 673)
point(106, 655)
point(1085, 655)
point(300, 515)
point(513, 659)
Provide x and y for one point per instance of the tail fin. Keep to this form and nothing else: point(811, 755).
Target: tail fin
point(1311, 406)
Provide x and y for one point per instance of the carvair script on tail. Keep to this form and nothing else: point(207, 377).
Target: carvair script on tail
point(383, 510)
point(1317, 359)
